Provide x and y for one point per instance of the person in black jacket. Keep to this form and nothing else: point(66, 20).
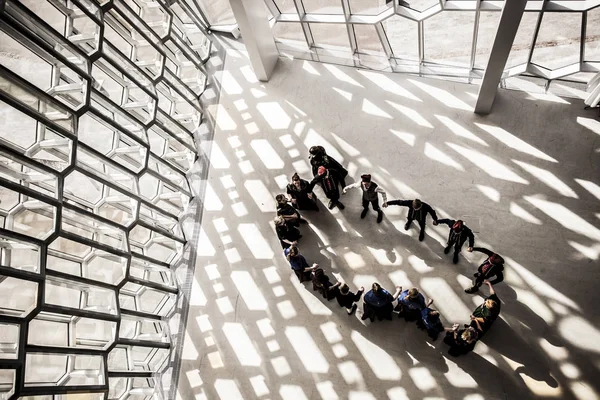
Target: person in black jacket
point(301, 194)
point(348, 299)
point(416, 210)
point(288, 235)
point(458, 235)
point(460, 340)
point(492, 266)
point(323, 285)
point(290, 214)
point(319, 158)
point(329, 180)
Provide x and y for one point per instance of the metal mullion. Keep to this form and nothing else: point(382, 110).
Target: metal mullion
point(94, 216)
point(78, 312)
point(162, 231)
point(385, 42)
point(80, 279)
point(91, 243)
point(584, 20)
point(475, 34)
point(169, 182)
point(30, 192)
point(35, 348)
point(176, 137)
point(141, 314)
point(97, 113)
point(28, 160)
point(20, 274)
point(144, 343)
point(160, 210)
point(536, 32)
point(131, 374)
point(349, 27)
point(153, 285)
point(273, 8)
point(107, 183)
point(58, 390)
point(421, 37)
point(150, 259)
point(310, 41)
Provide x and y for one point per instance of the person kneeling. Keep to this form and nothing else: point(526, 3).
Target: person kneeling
point(348, 299)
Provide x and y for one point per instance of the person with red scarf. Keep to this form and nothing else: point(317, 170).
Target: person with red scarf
point(330, 182)
point(492, 266)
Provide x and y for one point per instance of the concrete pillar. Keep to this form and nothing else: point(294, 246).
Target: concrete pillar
point(505, 36)
point(252, 17)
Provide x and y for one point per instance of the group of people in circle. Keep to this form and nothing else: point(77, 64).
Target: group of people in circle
point(379, 303)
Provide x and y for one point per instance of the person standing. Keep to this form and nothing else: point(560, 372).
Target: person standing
point(319, 158)
point(492, 266)
point(369, 195)
point(417, 210)
point(458, 235)
point(347, 299)
point(329, 181)
point(301, 195)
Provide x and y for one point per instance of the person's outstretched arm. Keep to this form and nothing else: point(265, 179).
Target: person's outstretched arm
point(378, 189)
point(433, 214)
point(398, 291)
point(351, 186)
point(483, 250)
point(429, 302)
point(403, 203)
point(499, 278)
point(446, 221)
point(471, 239)
point(492, 291)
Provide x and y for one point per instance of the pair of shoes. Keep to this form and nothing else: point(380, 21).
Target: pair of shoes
point(471, 290)
point(340, 205)
point(364, 317)
point(421, 236)
point(331, 205)
point(364, 213)
point(379, 216)
point(447, 250)
point(353, 309)
point(407, 226)
point(455, 258)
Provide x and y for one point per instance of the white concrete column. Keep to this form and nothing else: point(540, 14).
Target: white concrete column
point(505, 36)
point(252, 17)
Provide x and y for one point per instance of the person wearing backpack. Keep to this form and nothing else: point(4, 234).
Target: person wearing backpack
point(330, 182)
point(493, 266)
point(417, 210)
point(319, 158)
point(458, 235)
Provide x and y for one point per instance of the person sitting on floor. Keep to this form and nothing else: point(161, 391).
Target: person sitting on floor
point(378, 303)
point(298, 263)
point(410, 304)
point(348, 299)
point(323, 285)
point(460, 340)
point(288, 235)
point(430, 321)
point(289, 213)
point(485, 314)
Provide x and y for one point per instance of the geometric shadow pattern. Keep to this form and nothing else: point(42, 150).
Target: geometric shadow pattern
point(99, 104)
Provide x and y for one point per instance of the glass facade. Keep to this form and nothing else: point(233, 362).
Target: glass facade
point(99, 108)
point(447, 37)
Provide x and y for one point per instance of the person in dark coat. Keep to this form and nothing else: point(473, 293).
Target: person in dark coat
point(348, 299)
point(369, 195)
point(329, 181)
point(416, 210)
point(323, 285)
point(301, 194)
point(458, 235)
point(485, 314)
point(319, 158)
point(411, 303)
point(430, 321)
point(460, 340)
point(378, 303)
point(298, 263)
point(492, 266)
point(290, 214)
point(288, 235)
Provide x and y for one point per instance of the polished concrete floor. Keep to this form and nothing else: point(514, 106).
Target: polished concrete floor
point(525, 179)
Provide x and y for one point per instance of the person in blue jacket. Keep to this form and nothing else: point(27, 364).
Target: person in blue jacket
point(377, 302)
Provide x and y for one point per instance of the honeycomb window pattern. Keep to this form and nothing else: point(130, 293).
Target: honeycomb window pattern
point(100, 112)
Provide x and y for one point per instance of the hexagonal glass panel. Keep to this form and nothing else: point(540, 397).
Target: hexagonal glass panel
point(86, 297)
point(137, 297)
point(9, 342)
point(94, 229)
point(19, 254)
point(58, 330)
point(18, 297)
point(152, 272)
point(27, 174)
point(47, 369)
point(7, 383)
point(137, 358)
point(555, 48)
point(448, 37)
point(136, 328)
point(33, 218)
